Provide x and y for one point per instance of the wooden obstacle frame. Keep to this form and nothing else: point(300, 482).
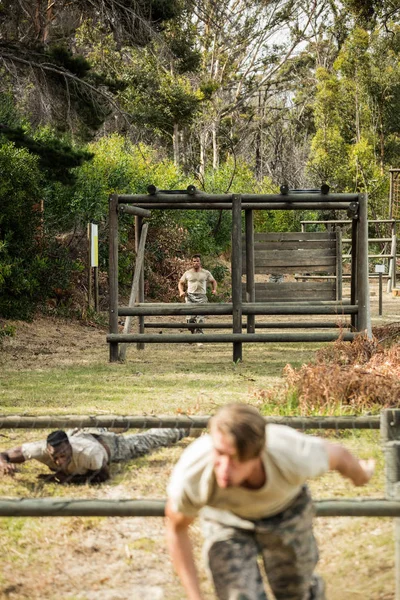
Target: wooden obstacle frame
point(245, 259)
point(388, 423)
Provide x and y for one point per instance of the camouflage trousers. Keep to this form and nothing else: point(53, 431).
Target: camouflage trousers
point(196, 299)
point(288, 549)
point(127, 447)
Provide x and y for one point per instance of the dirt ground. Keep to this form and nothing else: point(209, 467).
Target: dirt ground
point(50, 342)
point(120, 559)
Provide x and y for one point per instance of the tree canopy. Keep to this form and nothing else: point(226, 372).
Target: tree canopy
point(108, 96)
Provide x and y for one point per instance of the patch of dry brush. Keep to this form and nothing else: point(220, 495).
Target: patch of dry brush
point(362, 374)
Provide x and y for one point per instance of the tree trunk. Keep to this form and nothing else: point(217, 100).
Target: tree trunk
point(202, 161)
point(175, 140)
point(215, 146)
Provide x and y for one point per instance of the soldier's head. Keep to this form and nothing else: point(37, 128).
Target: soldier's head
point(238, 434)
point(59, 448)
point(196, 262)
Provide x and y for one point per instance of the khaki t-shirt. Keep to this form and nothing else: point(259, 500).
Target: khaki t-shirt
point(289, 458)
point(197, 280)
point(87, 454)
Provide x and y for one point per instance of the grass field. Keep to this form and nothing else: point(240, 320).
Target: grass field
point(55, 367)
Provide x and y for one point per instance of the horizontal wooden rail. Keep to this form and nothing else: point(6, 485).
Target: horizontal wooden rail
point(227, 338)
point(200, 197)
point(271, 308)
point(337, 222)
point(370, 240)
point(283, 205)
point(134, 210)
point(68, 507)
point(370, 275)
point(274, 325)
point(374, 255)
point(176, 421)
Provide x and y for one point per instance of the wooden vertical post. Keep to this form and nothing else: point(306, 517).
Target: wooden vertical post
point(380, 295)
point(394, 258)
point(113, 272)
point(96, 288)
point(140, 297)
point(339, 266)
point(390, 425)
point(250, 285)
point(237, 273)
point(364, 316)
point(135, 287)
point(353, 280)
point(394, 265)
point(89, 237)
point(390, 436)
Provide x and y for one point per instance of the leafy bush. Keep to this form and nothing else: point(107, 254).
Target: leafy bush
point(30, 265)
point(6, 330)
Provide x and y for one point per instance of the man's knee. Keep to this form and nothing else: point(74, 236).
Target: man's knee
point(234, 570)
point(294, 586)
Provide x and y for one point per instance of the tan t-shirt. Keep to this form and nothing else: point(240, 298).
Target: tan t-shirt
point(87, 454)
point(289, 458)
point(197, 280)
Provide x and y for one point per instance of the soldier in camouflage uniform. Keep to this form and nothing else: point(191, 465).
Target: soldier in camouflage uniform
point(248, 481)
point(84, 455)
point(196, 279)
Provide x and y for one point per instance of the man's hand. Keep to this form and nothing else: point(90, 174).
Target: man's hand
point(8, 460)
point(368, 467)
point(6, 468)
point(214, 292)
point(181, 294)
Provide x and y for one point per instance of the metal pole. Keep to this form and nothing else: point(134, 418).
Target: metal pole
point(236, 275)
point(113, 273)
point(380, 294)
point(250, 284)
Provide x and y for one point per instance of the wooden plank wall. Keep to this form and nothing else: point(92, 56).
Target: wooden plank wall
point(289, 253)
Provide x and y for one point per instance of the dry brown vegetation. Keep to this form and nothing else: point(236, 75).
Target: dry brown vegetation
point(362, 375)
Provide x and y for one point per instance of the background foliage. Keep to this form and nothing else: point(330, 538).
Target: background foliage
point(241, 96)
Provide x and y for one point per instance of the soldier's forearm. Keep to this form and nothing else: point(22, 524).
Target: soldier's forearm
point(13, 456)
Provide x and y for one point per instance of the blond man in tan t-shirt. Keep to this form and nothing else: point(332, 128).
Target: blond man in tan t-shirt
point(248, 481)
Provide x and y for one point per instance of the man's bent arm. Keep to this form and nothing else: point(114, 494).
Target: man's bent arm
point(214, 286)
point(9, 458)
point(180, 549)
point(181, 288)
point(90, 477)
point(343, 461)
